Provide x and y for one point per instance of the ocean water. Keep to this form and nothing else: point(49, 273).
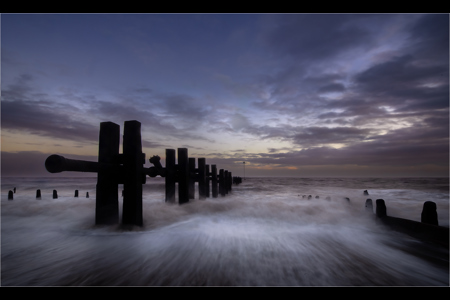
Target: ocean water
point(265, 232)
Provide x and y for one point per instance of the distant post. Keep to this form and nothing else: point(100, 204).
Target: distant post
point(222, 182)
point(201, 178)
point(170, 175)
point(183, 176)
point(207, 180)
point(191, 178)
point(214, 181)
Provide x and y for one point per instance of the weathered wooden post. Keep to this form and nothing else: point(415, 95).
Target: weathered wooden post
point(170, 175)
point(429, 213)
point(112, 169)
point(10, 195)
point(222, 190)
point(55, 194)
point(106, 194)
point(201, 178)
point(214, 181)
point(38, 194)
point(207, 180)
point(183, 176)
point(380, 208)
point(192, 176)
point(76, 194)
point(134, 176)
point(225, 181)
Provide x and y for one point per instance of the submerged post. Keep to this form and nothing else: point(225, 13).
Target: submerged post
point(369, 206)
point(134, 177)
point(429, 213)
point(107, 199)
point(183, 176)
point(380, 208)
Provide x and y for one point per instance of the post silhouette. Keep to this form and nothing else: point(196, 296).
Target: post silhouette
point(113, 169)
point(192, 178)
point(106, 194)
point(214, 178)
point(183, 176)
point(170, 175)
point(201, 178)
point(133, 161)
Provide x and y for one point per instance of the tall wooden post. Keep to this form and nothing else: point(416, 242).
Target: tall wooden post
point(214, 181)
point(225, 181)
point(170, 175)
point(201, 178)
point(107, 200)
point(133, 159)
point(222, 190)
point(183, 176)
point(191, 178)
point(207, 180)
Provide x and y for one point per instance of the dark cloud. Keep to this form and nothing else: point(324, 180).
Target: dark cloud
point(24, 109)
point(313, 37)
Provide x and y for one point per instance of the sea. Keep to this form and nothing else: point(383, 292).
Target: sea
point(264, 232)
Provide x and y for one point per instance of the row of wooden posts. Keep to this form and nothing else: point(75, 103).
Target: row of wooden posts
point(427, 229)
point(127, 168)
point(38, 194)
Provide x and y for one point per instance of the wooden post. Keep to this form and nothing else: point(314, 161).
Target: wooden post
point(207, 180)
point(38, 194)
point(222, 190)
point(183, 176)
point(191, 178)
point(55, 194)
point(170, 175)
point(214, 181)
point(10, 195)
point(230, 181)
point(381, 208)
point(429, 213)
point(201, 178)
point(133, 160)
point(225, 181)
point(106, 194)
point(76, 194)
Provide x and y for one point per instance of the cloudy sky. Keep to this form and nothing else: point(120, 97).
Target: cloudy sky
point(289, 94)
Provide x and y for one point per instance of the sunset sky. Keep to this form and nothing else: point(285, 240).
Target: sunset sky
point(289, 94)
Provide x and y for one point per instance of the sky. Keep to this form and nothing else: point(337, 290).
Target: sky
point(300, 95)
